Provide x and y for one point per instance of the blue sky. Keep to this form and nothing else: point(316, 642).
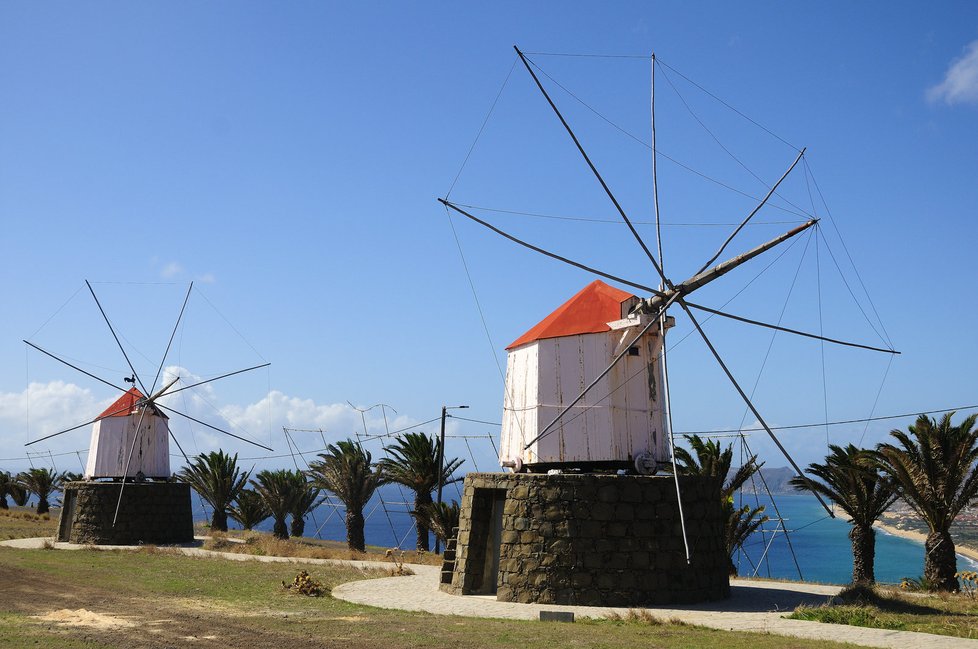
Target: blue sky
point(287, 159)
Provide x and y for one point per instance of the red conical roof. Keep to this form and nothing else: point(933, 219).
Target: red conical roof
point(126, 404)
point(588, 312)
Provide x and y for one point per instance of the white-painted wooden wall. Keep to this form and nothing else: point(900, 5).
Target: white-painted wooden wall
point(112, 439)
point(620, 417)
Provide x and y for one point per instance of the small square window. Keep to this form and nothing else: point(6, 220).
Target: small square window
point(633, 351)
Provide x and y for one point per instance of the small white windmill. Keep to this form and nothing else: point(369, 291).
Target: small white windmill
point(130, 439)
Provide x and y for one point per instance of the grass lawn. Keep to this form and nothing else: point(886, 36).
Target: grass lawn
point(150, 598)
point(22, 523)
point(888, 608)
point(264, 544)
point(139, 599)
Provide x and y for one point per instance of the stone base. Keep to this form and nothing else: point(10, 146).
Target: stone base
point(150, 512)
point(587, 539)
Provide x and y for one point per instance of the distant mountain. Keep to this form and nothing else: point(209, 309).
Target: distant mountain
point(776, 478)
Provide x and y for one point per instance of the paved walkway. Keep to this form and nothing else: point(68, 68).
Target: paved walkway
point(754, 606)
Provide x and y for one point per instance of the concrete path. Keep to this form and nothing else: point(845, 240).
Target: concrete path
point(754, 606)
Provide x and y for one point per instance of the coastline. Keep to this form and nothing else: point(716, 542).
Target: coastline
point(919, 537)
point(912, 535)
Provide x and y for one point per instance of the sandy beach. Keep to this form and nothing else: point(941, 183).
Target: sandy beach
point(919, 537)
point(964, 550)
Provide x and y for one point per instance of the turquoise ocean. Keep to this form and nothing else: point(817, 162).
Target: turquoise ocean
point(822, 547)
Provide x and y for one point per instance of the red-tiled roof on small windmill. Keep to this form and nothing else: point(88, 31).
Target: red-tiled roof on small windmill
point(588, 312)
point(126, 404)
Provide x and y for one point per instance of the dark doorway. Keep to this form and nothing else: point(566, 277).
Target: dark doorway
point(482, 569)
point(67, 514)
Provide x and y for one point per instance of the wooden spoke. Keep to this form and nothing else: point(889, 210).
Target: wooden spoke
point(75, 367)
point(117, 342)
point(87, 423)
point(174, 333)
point(594, 170)
point(654, 291)
point(125, 471)
point(220, 430)
point(750, 405)
point(217, 378)
point(753, 212)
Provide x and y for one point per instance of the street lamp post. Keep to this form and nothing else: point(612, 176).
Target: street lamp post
point(441, 462)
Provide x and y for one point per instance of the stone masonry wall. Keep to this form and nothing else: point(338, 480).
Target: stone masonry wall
point(150, 512)
point(590, 539)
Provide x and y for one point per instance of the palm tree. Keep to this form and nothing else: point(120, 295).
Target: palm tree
point(249, 509)
point(442, 518)
point(71, 476)
point(277, 489)
point(413, 462)
point(712, 462)
point(18, 493)
point(216, 477)
point(851, 480)
point(42, 482)
point(739, 524)
point(933, 465)
point(346, 470)
point(10, 487)
point(306, 499)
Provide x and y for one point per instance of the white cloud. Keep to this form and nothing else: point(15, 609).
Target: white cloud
point(171, 270)
point(960, 84)
point(45, 408)
point(174, 269)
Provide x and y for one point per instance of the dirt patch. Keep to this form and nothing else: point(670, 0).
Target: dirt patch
point(84, 617)
point(126, 622)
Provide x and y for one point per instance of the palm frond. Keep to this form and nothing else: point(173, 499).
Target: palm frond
point(278, 489)
point(215, 476)
point(442, 518)
point(249, 509)
point(413, 462)
point(934, 465)
point(850, 479)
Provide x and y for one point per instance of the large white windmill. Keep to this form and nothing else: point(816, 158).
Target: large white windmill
point(537, 407)
point(587, 390)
